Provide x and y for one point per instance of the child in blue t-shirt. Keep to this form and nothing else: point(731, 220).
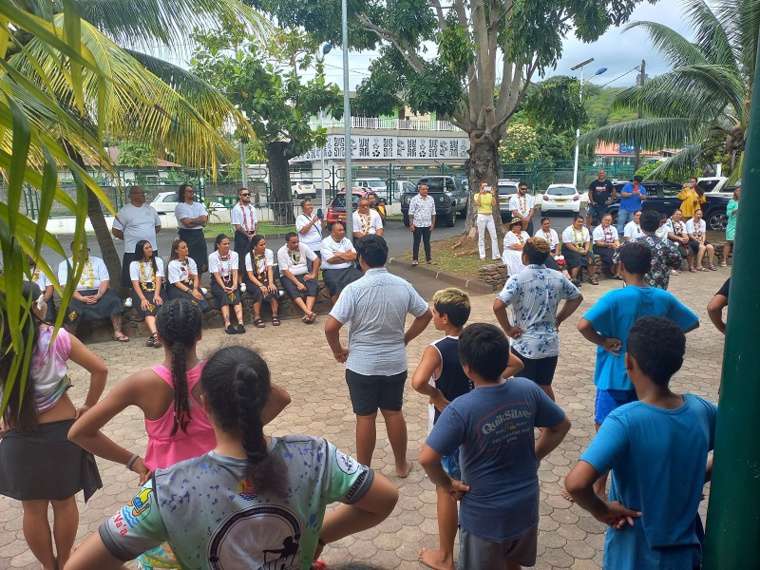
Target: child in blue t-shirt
point(657, 450)
point(493, 428)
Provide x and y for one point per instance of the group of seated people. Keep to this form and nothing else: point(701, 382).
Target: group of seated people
point(295, 265)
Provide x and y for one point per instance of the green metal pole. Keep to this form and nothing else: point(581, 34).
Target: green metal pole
point(733, 521)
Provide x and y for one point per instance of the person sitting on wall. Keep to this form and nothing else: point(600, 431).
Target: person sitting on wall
point(46, 286)
point(338, 258)
point(92, 299)
point(297, 278)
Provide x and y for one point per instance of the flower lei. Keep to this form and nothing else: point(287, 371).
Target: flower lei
point(366, 220)
point(295, 256)
point(609, 236)
point(520, 238)
point(677, 227)
point(698, 228)
point(523, 203)
point(184, 271)
point(225, 268)
point(260, 263)
point(147, 284)
point(578, 238)
point(88, 275)
point(35, 273)
point(246, 226)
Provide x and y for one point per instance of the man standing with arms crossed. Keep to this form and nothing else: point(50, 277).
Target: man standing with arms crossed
point(522, 206)
point(375, 309)
point(601, 193)
point(191, 219)
point(243, 217)
point(134, 222)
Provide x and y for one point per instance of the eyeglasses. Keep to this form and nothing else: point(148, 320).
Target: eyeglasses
point(244, 195)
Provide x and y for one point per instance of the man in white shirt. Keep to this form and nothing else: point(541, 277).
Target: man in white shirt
point(366, 221)
point(309, 227)
point(375, 309)
point(522, 205)
point(422, 222)
point(243, 218)
point(632, 230)
point(338, 257)
point(191, 219)
point(92, 299)
point(297, 279)
point(134, 222)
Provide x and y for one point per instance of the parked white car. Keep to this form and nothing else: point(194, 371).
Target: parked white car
point(166, 202)
point(563, 198)
point(303, 189)
point(376, 185)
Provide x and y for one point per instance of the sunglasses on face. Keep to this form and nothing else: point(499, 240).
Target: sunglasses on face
point(244, 195)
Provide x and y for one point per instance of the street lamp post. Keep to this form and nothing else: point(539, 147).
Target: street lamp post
point(347, 125)
point(324, 50)
point(580, 96)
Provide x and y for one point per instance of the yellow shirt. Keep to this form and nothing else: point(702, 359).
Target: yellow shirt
point(486, 203)
point(689, 196)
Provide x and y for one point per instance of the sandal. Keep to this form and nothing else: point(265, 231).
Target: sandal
point(121, 337)
point(275, 321)
point(593, 281)
point(259, 323)
point(723, 264)
point(153, 341)
point(692, 270)
point(311, 318)
point(431, 262)
point(230, 330)
point(712, 268)
point(618, 277)
point(415, 262)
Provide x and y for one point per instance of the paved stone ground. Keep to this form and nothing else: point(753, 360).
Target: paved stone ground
point(302, 363)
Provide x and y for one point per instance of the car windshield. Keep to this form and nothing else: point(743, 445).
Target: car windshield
point(340, 201)
point(507, 189)
point(437, 184)
point(304, 182)
point(561, 191)
point(708, 185)
point(375, 183)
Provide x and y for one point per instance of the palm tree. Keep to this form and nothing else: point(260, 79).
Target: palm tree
point(702, 104)
point(64, 85)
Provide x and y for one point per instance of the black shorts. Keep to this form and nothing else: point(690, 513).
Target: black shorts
point(368, 393)
point(540, 370)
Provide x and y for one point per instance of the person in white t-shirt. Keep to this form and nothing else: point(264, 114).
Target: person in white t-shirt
point(338, 259)
point(606, 243)
point(134, 222)
point(147, 276)
point(632, 230)
point(662, 231)
point(576, 246)
point(522, 206)
point(309, 227)
point(514, 242)
point(697, 230)
point(225, 283)
point(46, 286)
point(550, 236)
point(259, 266)
point(244, 220)
point(366, 221)
point(182, 276)
point(93, 299)
point(191, 219)
point(297, 278)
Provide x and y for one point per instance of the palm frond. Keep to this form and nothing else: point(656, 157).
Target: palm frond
point(711, 33)
point(745, 36)
point(680, 165)
point(139, 22)
point(651, 133)
point(675, 48)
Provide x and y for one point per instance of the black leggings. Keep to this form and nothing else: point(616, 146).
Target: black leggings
point(423, 233)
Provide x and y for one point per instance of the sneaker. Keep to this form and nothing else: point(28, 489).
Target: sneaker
point(240, 329)
point(230, 330)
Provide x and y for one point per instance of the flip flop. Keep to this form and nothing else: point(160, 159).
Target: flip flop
point(121, 338)
point(431, 262)
point(275, 321)
point(259, 323)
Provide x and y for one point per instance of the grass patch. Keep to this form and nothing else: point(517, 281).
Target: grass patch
point(265, 228)
point(456, 255)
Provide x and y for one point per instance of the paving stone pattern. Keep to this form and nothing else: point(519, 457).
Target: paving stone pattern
point(303, 364)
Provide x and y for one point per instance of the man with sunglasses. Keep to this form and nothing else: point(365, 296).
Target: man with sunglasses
point(243, 217)
point(366, 221)
point(134, 222)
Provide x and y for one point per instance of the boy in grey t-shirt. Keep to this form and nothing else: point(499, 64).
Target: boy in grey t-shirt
point(493, 428)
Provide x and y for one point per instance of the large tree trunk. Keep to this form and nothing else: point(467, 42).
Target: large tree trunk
point(281, 200)
point(105, 242)
point(482, 166)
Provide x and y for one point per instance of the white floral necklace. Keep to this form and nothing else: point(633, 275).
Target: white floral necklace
point(248, 227)
point(609, 236)
point(225, 268)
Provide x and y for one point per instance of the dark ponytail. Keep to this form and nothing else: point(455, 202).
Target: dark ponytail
point(179, 323)
point(236, 384)
point(21, 411)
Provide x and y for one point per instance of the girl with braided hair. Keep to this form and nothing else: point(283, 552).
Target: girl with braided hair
point(254, 501)
point(169, 397)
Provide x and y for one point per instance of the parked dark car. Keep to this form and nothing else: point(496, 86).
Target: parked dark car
point(662, 197)
point(336, 211)
point(450, 194)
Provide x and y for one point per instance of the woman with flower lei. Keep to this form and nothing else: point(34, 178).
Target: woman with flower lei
point(676, 229)
point(259, 265)
point(514, 242)
point(46, 286)
point(223, 265)
point(576, 247)
point(184, 281)
point(147, 277)
point(606, 243)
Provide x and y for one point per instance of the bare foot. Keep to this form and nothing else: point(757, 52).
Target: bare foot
point(403, 473)
point(566, 495)
point(436, 559)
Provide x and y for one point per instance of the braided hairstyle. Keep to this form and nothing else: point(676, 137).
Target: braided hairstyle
point(179, 324)
point(236, 385)
point(21, 411)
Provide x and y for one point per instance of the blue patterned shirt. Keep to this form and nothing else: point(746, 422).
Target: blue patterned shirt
point(534, 295)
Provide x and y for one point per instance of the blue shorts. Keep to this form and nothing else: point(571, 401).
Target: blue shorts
point(608, 400)
point(450, 464)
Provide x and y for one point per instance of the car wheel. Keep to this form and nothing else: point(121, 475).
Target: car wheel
point(717, 221)
point(406, 220)
point(451, 219)
point(463, 213)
